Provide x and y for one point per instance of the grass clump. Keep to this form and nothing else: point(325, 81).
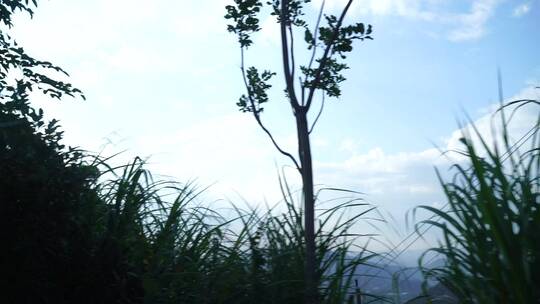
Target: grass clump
point(490, 238)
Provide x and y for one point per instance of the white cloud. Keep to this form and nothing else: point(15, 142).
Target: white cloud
point(472, 25)
point(381, 7)
point(418, 189)
point(489, 124)
point(348, 145)
point(403, 8)
point(379, 172)
point(377, 161)
point(467, 25)
point(399, 181)
point(521, 9)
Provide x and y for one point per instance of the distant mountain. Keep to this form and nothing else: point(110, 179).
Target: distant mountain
point(386, 280)
point(382, 281)
point(438, 295)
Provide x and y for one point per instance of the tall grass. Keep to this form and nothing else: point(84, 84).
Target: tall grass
point(491, 228)
point(161, 245)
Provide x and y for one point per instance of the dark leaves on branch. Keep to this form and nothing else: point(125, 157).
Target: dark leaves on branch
point(257, 86)
point(294, 12)
point(244, 14)
point(334, 38)
point(21, 74)
point(342, 43)
point(340, 40)
point(8, 7)
point(329, 79)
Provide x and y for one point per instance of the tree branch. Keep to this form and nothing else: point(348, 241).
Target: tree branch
point(318, 115)
point(255, 112)
point(293, 65)
point(315, 33)
point(285, 55)
point(326, 55)
point(302, 89)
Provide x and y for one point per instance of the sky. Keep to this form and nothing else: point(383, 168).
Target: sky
point(162, 79)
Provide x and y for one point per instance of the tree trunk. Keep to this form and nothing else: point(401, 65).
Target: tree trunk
point(304, 151)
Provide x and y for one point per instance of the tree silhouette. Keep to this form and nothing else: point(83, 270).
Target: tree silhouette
point(322, 73)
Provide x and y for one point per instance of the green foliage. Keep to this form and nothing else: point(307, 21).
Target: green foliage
point(21, 74)
point(328, 76)
point(294, 11)
point(276, 245)
point(46, 205)
point(341, 38)
point(8, 7)
point(334, 40)
point(257, 88)
point(490, 233)
point(51, 211)
point(244, 14)
point(184, 252)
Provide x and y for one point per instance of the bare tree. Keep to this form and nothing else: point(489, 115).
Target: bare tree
point(322, 73)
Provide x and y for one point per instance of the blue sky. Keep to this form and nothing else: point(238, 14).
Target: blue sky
point(162, 79)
